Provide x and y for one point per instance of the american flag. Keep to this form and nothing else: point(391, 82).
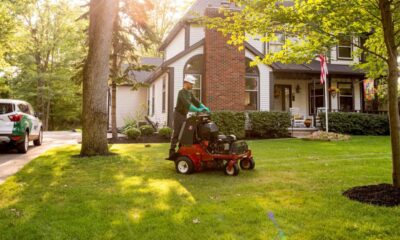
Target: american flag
point(324, 68)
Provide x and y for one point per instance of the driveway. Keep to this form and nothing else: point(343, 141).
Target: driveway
point(11, 161)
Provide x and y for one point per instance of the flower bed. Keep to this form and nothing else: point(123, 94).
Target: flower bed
point(324, 136)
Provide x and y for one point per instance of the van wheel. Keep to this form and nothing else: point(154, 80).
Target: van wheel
point(39, 140)
point(23, 146)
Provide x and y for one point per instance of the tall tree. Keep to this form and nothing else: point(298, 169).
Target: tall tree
point(102, 14)
point(131, 32)
point(162, 18)
point(315, 27)
point(48, 43)
point(7, 24)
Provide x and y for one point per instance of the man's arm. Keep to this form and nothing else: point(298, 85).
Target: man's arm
point(195, 101)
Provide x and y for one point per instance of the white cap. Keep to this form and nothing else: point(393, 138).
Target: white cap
point(190, 79)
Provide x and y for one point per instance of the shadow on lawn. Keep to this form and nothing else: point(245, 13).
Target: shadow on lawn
point(118, 197)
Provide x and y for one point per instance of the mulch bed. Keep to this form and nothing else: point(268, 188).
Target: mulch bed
point(143, 139)
point(380, 195)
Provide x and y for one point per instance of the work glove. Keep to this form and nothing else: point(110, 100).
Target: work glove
point(205, 108)
point(192, 108)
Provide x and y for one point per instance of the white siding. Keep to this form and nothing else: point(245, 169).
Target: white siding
point(334, 59)
point(356, 90)
point(334, 101)
point(159, 117)
point(176, 46)
point(264, 104)
point(196, 34)
point(301, 98)
point(357, 96)
point(179, 66)
point(256, 42)
point(130, 104)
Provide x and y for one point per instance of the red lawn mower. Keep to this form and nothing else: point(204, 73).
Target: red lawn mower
point(202, 147)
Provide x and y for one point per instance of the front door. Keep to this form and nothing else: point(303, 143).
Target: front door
point(282, 98)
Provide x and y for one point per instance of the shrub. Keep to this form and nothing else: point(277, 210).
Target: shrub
point(357, 123)
point(129, 123)
point(132, 133)
point(230, 122)
point(270, 124)
point(165, 132)
point(147, 130)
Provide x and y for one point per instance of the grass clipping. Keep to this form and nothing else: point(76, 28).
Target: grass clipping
point(330, 136)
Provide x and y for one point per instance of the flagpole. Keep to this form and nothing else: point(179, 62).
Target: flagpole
point(324, 80)
point(326, 106)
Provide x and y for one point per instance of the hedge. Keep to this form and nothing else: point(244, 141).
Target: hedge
point(146, 130)
point(357, 123)
point(270, 124)
point(165, 132)
point(230, 122)
point(132, 133)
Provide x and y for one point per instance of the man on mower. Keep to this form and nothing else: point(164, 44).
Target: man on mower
point(186, 103)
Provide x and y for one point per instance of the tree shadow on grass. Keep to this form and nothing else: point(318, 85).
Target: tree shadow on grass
point(124, 196)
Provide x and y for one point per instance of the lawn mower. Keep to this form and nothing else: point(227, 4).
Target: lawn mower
point(201, 147)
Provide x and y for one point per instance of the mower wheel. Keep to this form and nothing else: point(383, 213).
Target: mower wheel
point(184, 165)
point(234, 171)
point(247, 164)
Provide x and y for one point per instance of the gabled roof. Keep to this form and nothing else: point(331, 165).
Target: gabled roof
point(195, 11)
point(141, 76)
point(162, 68)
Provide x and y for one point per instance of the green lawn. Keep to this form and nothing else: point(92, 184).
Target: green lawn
point(137, 195)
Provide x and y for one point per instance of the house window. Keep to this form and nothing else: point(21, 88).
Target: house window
point(277, 45)
point(195, 67)
point(164, 94)
point(252, 85)
point(153, 99)
point(148, 102)
point(346, 100)
point(316, 97)
point(345, 49)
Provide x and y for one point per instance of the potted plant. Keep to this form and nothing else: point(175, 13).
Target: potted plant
point(307, 122)
point(334, 91)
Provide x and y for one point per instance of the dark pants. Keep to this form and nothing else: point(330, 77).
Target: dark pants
point(179, 119)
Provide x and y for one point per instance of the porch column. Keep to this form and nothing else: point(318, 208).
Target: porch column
point(271, 90)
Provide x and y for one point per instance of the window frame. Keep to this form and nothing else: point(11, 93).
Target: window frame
point(254, 75)
point(153, 91)
point(338, 47)
point(346, 96)
point(311, 96)
point(164, 94)
point(196, 72)
point(277, 43)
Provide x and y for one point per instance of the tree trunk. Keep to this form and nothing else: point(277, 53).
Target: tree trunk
point(114, 76)
point(46, 125)
point(114, 111)
point(388, 30)
point(96, 74)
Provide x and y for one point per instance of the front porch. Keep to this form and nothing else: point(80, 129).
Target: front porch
point(299, 92)
point(299, 132)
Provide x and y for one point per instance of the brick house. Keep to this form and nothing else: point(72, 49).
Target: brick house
point(225, 81)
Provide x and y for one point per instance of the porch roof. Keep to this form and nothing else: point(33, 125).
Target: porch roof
point(315, 68)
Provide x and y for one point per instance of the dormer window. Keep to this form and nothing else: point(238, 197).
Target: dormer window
point(277, 45)
point(345, 49)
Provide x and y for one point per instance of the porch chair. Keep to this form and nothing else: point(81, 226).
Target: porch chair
point(297, 118)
